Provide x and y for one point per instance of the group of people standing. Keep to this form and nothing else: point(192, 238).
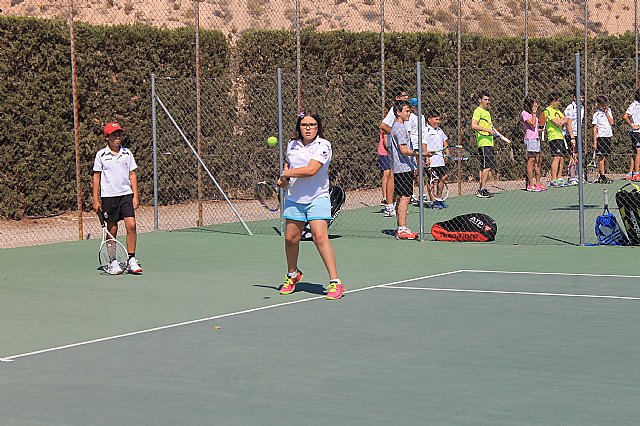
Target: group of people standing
point(398, 147)
point(398, 152)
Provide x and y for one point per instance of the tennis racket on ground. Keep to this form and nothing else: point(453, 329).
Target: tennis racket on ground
point(505, 139)
point(110, 248)
point(268, 195)
point(591, 173)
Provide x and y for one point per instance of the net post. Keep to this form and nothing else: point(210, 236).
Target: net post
point(154, 140)
point(579, 145)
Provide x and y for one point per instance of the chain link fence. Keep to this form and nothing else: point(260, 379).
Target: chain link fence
point(352, 106)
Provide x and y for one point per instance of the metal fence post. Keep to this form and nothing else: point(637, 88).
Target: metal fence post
point(580, 166)
point(154, 151)
point(382, 93)
point(76, 120)
point(420, 153)
point(280, 155)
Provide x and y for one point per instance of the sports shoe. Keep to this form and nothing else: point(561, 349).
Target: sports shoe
point(389, 212)
point(482, 193)
point(289, 285)
point(573, 182)
point(335, 290)
point(636, 178)
point(437, 205)
point(443, 204)
point(133, 266)
point(406, 234)
point(540, 187)
point(414, 200)
point(114, 268)
point(532, 188)
point(383, 202)
point(630, 177)
point(604, 179)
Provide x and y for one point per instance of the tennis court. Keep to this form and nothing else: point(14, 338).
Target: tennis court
point(429, 333)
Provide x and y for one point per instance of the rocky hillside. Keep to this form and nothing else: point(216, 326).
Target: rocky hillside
point(491, 17)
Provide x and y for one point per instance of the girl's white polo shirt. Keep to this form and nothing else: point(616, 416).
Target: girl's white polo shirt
point(305, 190)
point(114, 168)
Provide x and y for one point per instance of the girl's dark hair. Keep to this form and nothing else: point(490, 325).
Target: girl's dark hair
point(313, 115)
point(528, 104)
point(637, 95)
point(601, 100)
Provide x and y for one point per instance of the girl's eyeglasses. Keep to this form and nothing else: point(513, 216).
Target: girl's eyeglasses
point(309, 125)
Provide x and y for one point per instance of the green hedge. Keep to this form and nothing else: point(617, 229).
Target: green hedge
point(341, 73)
point(37, 154)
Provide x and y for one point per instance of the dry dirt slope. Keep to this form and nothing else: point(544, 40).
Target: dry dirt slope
point(495, 17)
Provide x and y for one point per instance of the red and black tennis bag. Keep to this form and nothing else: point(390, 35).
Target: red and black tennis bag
point(476, 227)
point(629, 204)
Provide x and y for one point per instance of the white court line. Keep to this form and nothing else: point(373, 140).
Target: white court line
point(180, 324)
point(523, 293)
point(549, 273)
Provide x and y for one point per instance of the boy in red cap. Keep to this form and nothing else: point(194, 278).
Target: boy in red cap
point(115, 177)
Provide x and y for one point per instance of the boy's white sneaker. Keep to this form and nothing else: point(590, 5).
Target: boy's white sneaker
point(133, 267)
point(114, 268)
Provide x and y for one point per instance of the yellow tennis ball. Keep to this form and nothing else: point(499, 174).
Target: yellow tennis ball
point(272, 142)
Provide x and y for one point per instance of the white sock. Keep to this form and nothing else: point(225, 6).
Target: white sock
point(292, 274)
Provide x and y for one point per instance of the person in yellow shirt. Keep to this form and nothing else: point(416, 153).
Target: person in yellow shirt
point(555, 121)
point(484, 130)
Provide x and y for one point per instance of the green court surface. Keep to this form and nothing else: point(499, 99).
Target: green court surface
point(545, 218)
point(429, 333)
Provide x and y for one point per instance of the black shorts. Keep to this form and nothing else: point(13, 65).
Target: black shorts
point(635, 141)
point(570, 148)
point(117, 208)
point(403, 184)
point(487, 157)
point(438, 172)
point(559, 148)
point(604, 147)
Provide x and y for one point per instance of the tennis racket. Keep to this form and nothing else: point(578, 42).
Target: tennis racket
point(505, 139)
point(111, 250)
point(591, 173)
point(456, 152)
point(268, 195)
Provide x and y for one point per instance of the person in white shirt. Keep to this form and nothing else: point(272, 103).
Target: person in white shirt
point(115, 192)
point(571, 135)
point(306, 178)
point(437, 149)
point(632, 117)
point(602, 134)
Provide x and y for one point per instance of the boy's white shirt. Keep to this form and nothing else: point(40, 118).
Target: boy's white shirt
point(602, 122)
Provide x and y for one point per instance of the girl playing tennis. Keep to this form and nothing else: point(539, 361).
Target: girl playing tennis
point(306, 177)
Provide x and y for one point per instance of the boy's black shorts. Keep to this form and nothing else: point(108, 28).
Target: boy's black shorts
point(117, 208)
point(604, 147)
point(403, 184)
point(487, 157)
point(635, 141)
point(559, 148)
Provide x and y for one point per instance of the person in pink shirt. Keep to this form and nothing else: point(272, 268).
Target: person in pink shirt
point(383, 161)
point(529, 117)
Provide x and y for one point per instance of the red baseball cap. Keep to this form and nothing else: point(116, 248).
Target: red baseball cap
point(111, 127)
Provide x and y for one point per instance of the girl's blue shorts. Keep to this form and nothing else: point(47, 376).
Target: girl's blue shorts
point(318, 209)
